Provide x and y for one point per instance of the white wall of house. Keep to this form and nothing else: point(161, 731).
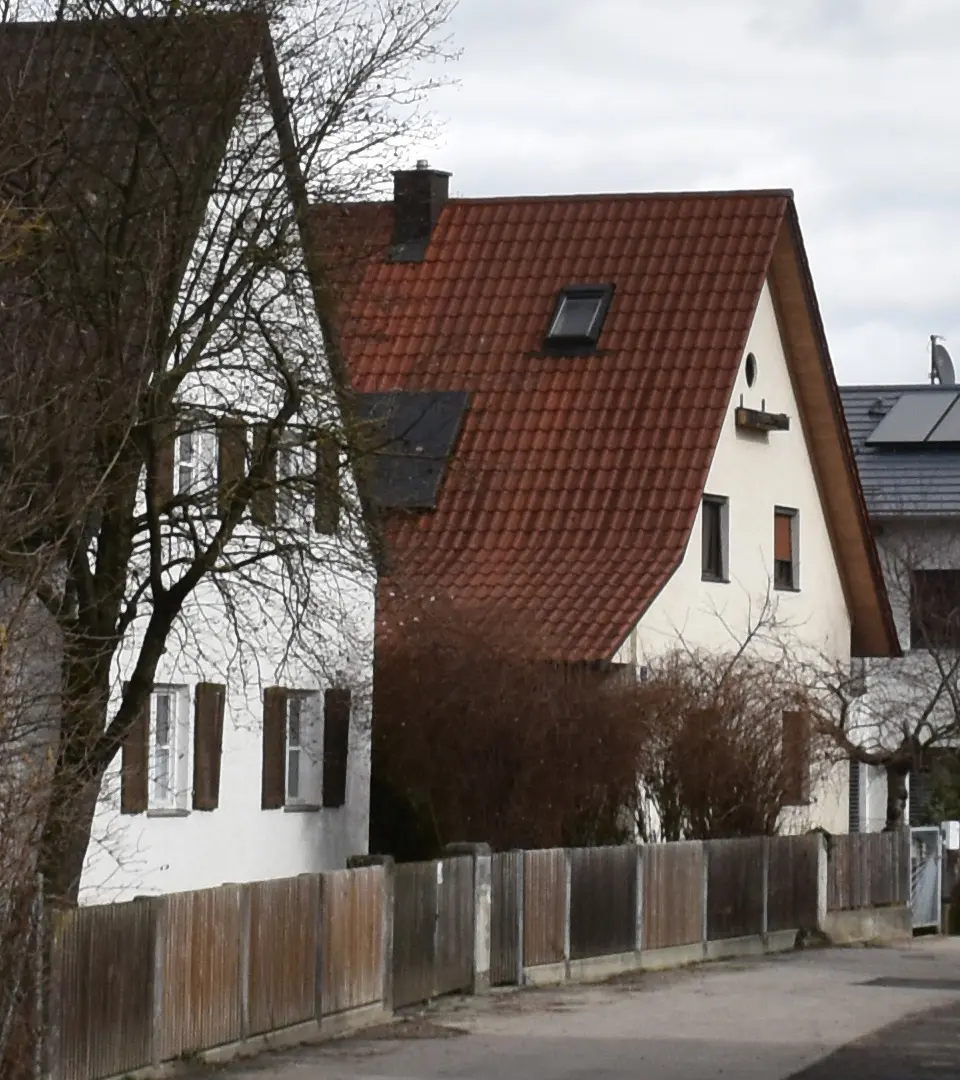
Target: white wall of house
point(757, 473)
point(174, 848)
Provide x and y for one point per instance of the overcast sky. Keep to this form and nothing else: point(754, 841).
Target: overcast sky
point(855, 104)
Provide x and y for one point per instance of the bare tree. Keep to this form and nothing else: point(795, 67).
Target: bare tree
point(175, 402)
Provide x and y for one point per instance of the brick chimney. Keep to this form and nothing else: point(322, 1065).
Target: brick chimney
point(418, 198)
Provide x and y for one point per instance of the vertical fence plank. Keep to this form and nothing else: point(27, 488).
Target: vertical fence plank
point(284, 926)
point(673, 894)
point(603, 901)
point(455, 926)
point(506, 869)
point(544, 907)
point(792, 883)
point(202, 970)
point(734, 888)
point(352, 938)
point(414, 932)
point(102, 964)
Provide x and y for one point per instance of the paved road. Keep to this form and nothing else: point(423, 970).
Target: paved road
point(844, 1014)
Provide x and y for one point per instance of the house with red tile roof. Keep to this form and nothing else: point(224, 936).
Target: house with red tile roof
point(615, 415)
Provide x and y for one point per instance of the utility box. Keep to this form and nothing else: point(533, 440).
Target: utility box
point(951, 835)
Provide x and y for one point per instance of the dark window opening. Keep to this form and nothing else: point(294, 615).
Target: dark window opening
point(785, 569)
point(935, 609)
point(714, 538)
point(578, 318)
point(751, 369)
point(855, 823)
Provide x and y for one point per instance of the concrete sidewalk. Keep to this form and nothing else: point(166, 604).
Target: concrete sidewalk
point(766, 1019)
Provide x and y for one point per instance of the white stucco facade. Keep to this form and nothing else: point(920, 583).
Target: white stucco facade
point(757, 473)
point(172, 849)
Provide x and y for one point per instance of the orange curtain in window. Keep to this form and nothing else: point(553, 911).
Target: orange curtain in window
point(782, 538)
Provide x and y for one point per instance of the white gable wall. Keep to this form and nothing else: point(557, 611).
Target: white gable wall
point(757, 473)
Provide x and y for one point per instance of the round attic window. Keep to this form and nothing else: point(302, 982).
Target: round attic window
point(751, 367)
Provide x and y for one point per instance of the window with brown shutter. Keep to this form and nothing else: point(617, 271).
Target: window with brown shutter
point(336, 742)
point(273, 780)
point(796, 758)
point(135, 760)
point(263, 505)
point(231, 459)
point(326, 515)
point(785, 572)
point(209, 702)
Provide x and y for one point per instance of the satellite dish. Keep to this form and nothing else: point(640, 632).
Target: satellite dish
point(941, 366)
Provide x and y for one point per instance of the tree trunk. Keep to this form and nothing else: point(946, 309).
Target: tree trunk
point(897, 773)
point(77, 773)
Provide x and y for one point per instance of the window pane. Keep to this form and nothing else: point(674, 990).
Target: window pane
point(712, 555)
point(162, 788)
point(783, 574)
point(294, 709)
point(293, 774)
point(188, 446)
point(184, 477)
point(163, 727)
point(935, 609)
point(577, 317)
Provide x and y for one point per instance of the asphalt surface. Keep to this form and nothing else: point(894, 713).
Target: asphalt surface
point(831, 1014)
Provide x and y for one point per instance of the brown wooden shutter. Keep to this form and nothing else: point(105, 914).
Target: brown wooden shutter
point(336, 740)
point(796, 757)
point(783, 537)
point(135, 761)
point(165, 437)
point(273, 792)
point(326, 515)
point(263, 505)
point(231, 459)
point(209, 701)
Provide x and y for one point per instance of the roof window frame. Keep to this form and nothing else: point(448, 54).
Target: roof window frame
point(580, 344)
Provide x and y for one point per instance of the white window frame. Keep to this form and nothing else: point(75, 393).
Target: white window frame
point(170, 758)
point(195, 457)
point(302, 758)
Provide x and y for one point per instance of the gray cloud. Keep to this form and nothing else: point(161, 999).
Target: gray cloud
point(852, 103)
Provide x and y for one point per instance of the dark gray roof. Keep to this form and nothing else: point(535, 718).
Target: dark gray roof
point(920, 482)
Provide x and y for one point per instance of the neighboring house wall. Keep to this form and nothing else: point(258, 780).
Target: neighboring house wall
point(900, 689)
point(756, 474)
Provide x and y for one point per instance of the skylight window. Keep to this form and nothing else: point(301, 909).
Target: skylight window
point(578, 318)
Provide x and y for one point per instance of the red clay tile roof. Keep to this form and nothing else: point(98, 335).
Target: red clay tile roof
point(577, 480)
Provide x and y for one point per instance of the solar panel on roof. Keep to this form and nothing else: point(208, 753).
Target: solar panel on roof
point(912, 417)
point(410, 434)
point(948, 429)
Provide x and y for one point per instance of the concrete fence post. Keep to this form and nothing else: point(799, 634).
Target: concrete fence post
point(705, 896)
point(638, 937)
point(823, 856)
point(567, 894)
point(482, 910)
point(357, 862)
point(521, 904)
point(765, 876)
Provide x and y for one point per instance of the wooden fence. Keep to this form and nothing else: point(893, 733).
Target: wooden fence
point(544, 907)
point(672, 894)
point(506, 926)
point(792, 882)
point(868, 870)
point(734, 888)
point(603, 901)
point(138, 984)
point(433, 930)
